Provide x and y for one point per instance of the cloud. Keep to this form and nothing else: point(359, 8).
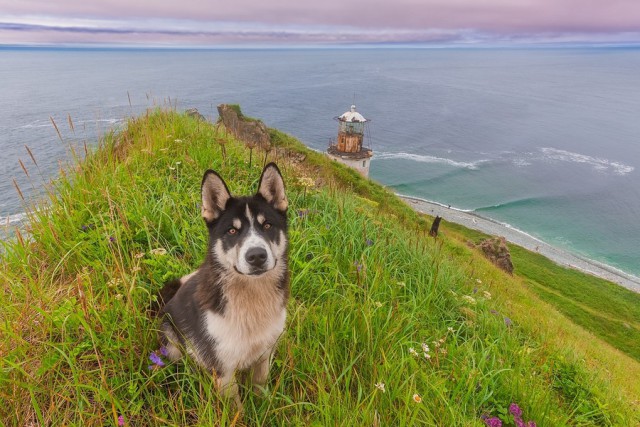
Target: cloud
point(214, 32)
point(329, 21)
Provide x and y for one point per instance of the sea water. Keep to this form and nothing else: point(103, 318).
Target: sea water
point(546, 140)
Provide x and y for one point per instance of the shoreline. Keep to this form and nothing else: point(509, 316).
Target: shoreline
point(492, 227)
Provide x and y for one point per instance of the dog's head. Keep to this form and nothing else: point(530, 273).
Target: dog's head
point(247, 235)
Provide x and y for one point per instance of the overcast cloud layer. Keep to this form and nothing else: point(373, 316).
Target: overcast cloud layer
point(283, 22)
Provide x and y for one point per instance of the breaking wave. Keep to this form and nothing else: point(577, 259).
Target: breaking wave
point(12, 219)
point(36, 124)
point(429, 159)
point(596, 162)
point(47, 123)
point(516, 203)
point(520, 160)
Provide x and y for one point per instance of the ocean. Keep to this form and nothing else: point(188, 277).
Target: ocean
point(545, 140)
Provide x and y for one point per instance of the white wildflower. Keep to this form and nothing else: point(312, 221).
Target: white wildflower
point(468, 298)
point(425, 347)
point(486, 294)
point(114, 282)
point(159, 251)
point(413, 352)
point(380, 386)
point(417, 398)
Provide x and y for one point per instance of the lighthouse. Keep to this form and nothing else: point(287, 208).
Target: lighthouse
point(349, 148)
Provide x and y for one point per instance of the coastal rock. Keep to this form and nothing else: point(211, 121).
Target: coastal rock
point(496, 250)
point(193, 112)
point(250, 131)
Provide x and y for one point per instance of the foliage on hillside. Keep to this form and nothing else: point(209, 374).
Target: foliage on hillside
point(605, 309)
point(386, 326)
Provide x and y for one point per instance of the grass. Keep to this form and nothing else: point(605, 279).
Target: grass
point(609, 311)
point(369, 288)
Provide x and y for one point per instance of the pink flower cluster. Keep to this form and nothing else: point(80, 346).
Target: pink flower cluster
point(514, 410)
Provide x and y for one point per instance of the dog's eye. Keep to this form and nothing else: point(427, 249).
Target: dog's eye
point(266, 226)
point(232, 231)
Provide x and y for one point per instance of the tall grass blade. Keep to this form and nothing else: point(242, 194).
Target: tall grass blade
point(56, 128)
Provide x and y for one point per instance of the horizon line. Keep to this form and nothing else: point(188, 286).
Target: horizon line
point(307, 46)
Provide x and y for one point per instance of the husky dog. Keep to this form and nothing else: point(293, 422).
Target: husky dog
point(228, 314)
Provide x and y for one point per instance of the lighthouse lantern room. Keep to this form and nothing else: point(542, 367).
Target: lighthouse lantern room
point(349, 148)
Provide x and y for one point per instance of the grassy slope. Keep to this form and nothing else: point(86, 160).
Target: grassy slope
point(608, 310)
point(367, 285)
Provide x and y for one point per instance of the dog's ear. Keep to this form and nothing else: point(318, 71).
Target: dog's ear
point(271, 187)
point(215, 195)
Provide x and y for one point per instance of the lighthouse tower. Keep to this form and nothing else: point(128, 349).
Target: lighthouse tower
point(349, 149)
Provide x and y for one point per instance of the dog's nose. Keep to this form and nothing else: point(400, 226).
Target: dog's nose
point(256, 256)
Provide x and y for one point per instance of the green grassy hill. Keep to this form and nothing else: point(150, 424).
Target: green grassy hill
point(386, 326)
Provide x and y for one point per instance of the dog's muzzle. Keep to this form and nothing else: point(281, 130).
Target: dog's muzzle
point(257, 258)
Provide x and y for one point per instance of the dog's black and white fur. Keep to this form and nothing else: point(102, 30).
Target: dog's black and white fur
point(228, 314)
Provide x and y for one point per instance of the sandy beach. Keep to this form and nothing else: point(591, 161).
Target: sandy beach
point(488, 226)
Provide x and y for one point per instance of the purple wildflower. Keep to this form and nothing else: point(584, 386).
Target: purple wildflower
point(475, 290)
point(85, 227)
point(531, 424)
point(495, 312)
point(369, 242)
point(157, 361)
point(493, 422)
point(508, 322)
point(357, 265)
point(164, 351)
point(303, 213)
point(515, 410)
point(112, 239)
point(120, 420)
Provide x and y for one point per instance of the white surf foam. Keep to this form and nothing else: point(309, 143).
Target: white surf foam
point(597, 163)
point(12, 219)
point(47, 123)
point(36, 124)
point(429, 159)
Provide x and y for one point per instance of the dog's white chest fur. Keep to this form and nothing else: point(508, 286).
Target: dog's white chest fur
point(243, 337)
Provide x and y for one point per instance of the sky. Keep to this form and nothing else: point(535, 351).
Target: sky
point(210, 23)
